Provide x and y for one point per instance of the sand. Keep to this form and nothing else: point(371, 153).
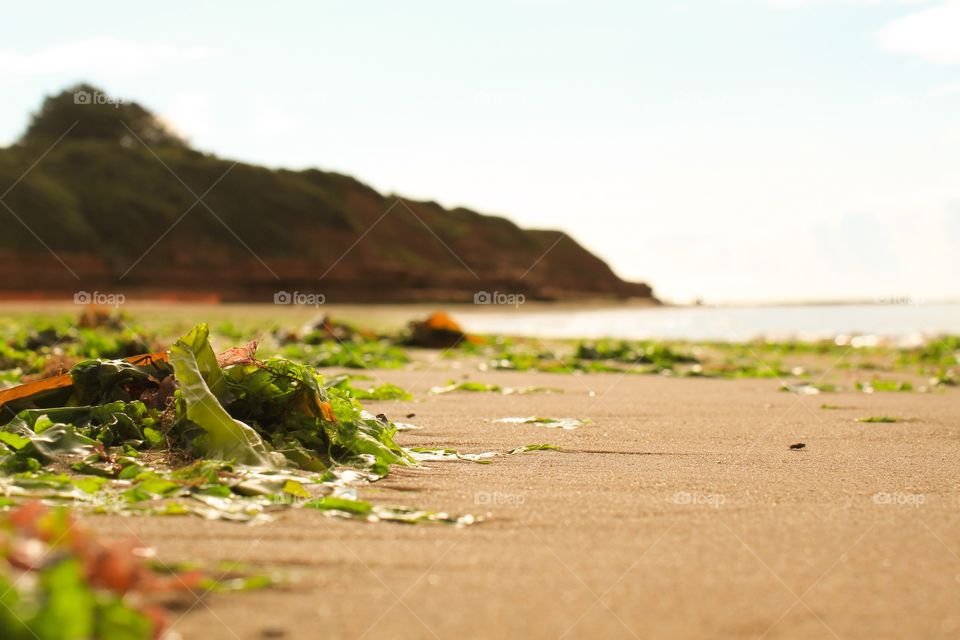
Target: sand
point(680, 513)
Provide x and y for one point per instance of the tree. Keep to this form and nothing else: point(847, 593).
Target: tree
point(97, 116)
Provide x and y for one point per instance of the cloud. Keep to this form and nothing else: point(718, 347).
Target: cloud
point(107, 54)
point(932, 34)
point(946, 90)
point(188, 113)
point(789, 4)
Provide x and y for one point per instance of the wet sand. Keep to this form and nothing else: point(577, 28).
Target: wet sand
point(681, 512)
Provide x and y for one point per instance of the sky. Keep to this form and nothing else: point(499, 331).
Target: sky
point(729, 150)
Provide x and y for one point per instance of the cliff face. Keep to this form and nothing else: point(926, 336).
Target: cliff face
point(123, 217)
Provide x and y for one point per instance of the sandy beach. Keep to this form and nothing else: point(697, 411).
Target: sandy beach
point(680, 512)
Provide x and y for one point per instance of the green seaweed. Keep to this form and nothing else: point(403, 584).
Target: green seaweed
point(550, 423)
point(223, 437)
point(267, 434)
point(431, 454)
point(483, 387)
point(359, 354)
point(534, 447)
point(810, 388)
point(384, 391)
point(884, 386)
point(475, 387)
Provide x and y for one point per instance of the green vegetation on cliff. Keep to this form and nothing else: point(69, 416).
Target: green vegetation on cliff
point(127, 204)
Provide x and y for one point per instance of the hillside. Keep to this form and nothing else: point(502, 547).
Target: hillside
point(125, 217)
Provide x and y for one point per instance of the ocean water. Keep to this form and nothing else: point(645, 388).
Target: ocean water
point(897, 323)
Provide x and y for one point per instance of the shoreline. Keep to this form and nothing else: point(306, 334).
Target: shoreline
point(899, 325)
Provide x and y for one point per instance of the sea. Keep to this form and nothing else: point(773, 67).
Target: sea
point(902, 324)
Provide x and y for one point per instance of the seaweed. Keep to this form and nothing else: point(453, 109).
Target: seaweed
point(483, 387)
point(878, 385)
point(226, 436)
point(566, 424)
point(660, 355)
point(200, 381)
point(534, 447)
point(59, 582)
point(810, 388)
point(358, 354)
point(384, 391)
point(428, 454)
